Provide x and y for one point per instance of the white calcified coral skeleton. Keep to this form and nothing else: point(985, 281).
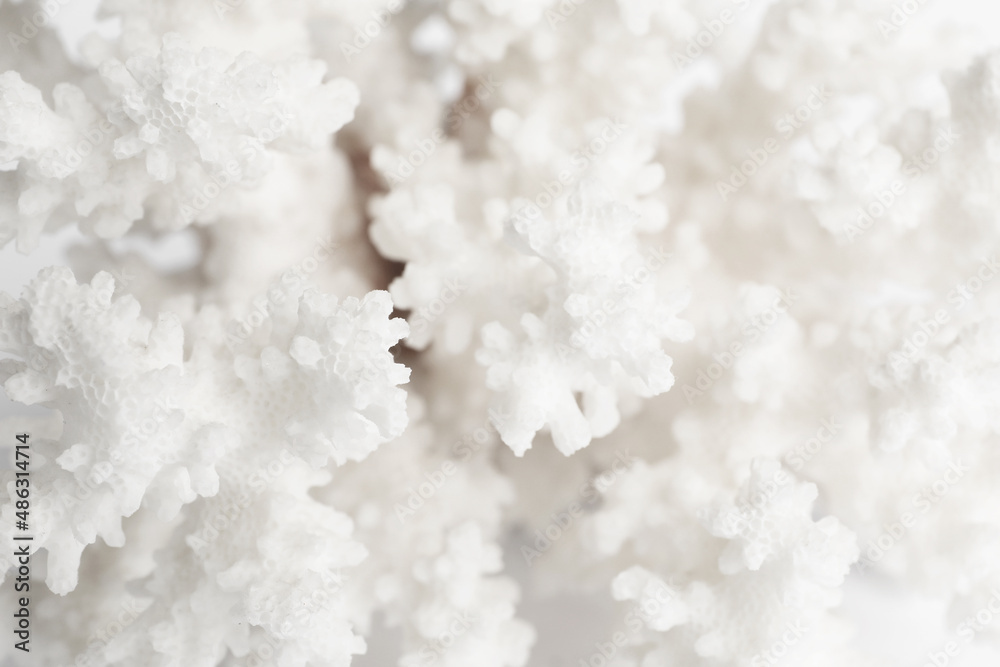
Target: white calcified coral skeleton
point(90, 347)
point(184, 122)
point(746, 248)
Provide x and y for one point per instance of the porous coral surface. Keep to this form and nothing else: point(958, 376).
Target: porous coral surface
point(500, 333)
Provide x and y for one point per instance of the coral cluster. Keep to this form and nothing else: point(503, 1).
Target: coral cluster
point(688, 309)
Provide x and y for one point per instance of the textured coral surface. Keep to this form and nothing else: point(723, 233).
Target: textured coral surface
point(499, 333)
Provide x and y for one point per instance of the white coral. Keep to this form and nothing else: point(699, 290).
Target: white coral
point(601, 329)
point(197, 121)
point(160, 446)
point(735, 260)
